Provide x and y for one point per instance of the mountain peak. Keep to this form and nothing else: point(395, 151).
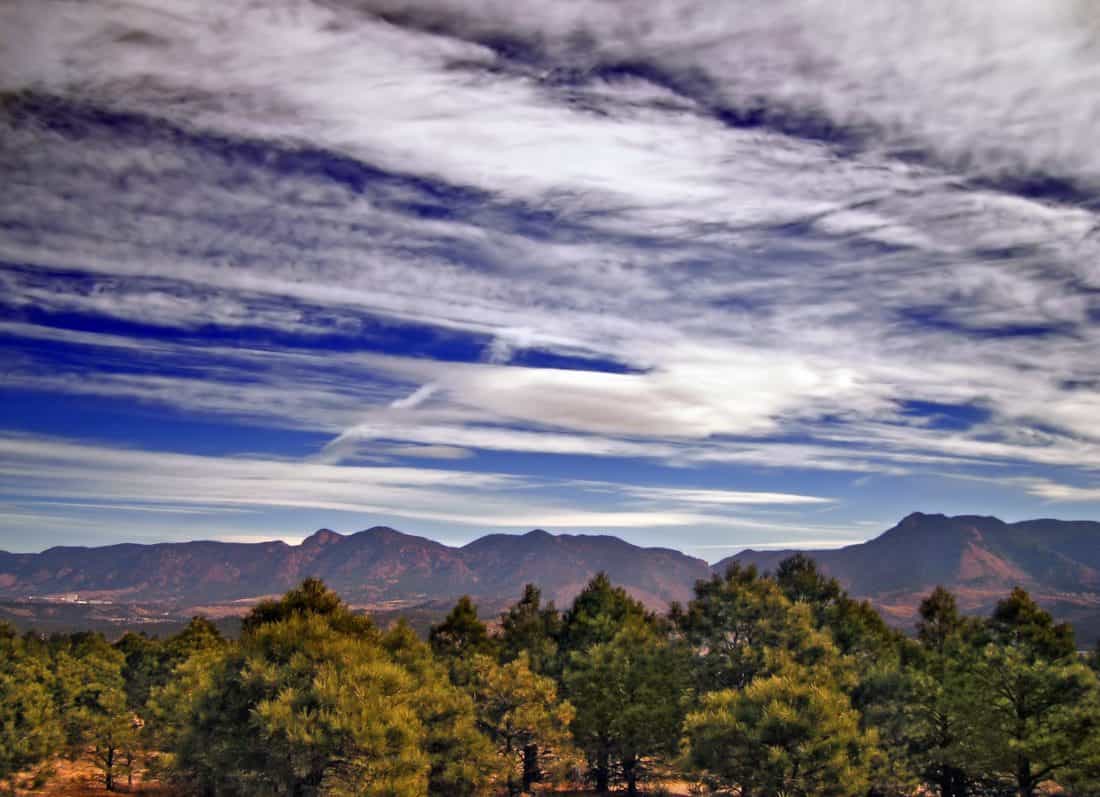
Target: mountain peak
point(322, 537)
point(916, 518)
point(383, 531)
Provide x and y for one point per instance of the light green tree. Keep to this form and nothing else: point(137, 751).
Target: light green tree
point(91, 697)
point(780, 735)
point(302, 709)
point(462, 761)
point(315, 700)
point(518, 709)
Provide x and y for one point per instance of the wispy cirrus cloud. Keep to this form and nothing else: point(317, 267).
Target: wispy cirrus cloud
point(792, 237)
point(39, 470)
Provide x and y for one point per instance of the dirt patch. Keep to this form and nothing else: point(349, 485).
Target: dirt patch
point(65, 778)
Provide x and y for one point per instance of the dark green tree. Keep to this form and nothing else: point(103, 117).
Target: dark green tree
point(738, 622)
point(630, 698)
point(597, 614)
point(30, 730)
point(1018, 621)
point(532, 628)
point(915, 707)
point(1032, 705)
point(461, 634)
point(150, 663)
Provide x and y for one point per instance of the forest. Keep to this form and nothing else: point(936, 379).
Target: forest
point(764, 684)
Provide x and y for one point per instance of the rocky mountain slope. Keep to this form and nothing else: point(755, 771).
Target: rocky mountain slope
point(375, 566)
point(978, 558)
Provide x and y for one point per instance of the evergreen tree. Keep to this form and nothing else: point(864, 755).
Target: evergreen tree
point(461, 759)
point(91, 696)
point(597, 614)
point(738, 622)
point(518, 709)
point(461, 634)
point(629, 695)
point(781, 735)
point(310, 598)
point(531, 628)
point(141, 663)
point(1019, 622)
point(856, 627)
point(30, 730)
point(314, 700)
point(916, 707)
point(1032, 706)
point(150, 663)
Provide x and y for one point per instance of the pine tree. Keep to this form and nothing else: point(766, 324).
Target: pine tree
point(738, 622)
point(91, 696)
point(597, 614)
point(461, 759)
point(314, 700)
point(1032, 706)
point(518, 709)
point(30, 730)
point(461, 634)
point(531, 628)
point(629, 695)
point(780, 735)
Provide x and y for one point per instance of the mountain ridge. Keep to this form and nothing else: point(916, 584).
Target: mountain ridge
point(375, 565)
point(979, 557)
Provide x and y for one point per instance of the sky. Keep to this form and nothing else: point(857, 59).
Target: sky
point(704, 275)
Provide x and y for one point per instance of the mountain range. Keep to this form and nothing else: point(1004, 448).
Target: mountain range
point(375, 567)
point(979, 558)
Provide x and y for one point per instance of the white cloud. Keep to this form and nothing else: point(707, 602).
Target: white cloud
point(775, 302)
point(81, 476)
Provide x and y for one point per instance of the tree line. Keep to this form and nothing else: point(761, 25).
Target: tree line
point(762, 685)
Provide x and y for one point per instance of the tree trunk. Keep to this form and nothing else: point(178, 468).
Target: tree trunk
point(108, 769)
point(602, 772)
point(630, 770)
point(531, 773)
point(1023, 777)
point(952, 782)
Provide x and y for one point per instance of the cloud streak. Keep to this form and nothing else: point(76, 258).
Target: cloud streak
point(726, 238)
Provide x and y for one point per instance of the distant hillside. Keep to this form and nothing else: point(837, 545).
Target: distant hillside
point(979, 558)
point(376, 566)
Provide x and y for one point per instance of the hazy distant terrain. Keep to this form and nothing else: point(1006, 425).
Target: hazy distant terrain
point(389, 572)
point(379, 567)
point(978, 558)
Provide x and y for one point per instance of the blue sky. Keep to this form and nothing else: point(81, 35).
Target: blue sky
point(702, 275)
